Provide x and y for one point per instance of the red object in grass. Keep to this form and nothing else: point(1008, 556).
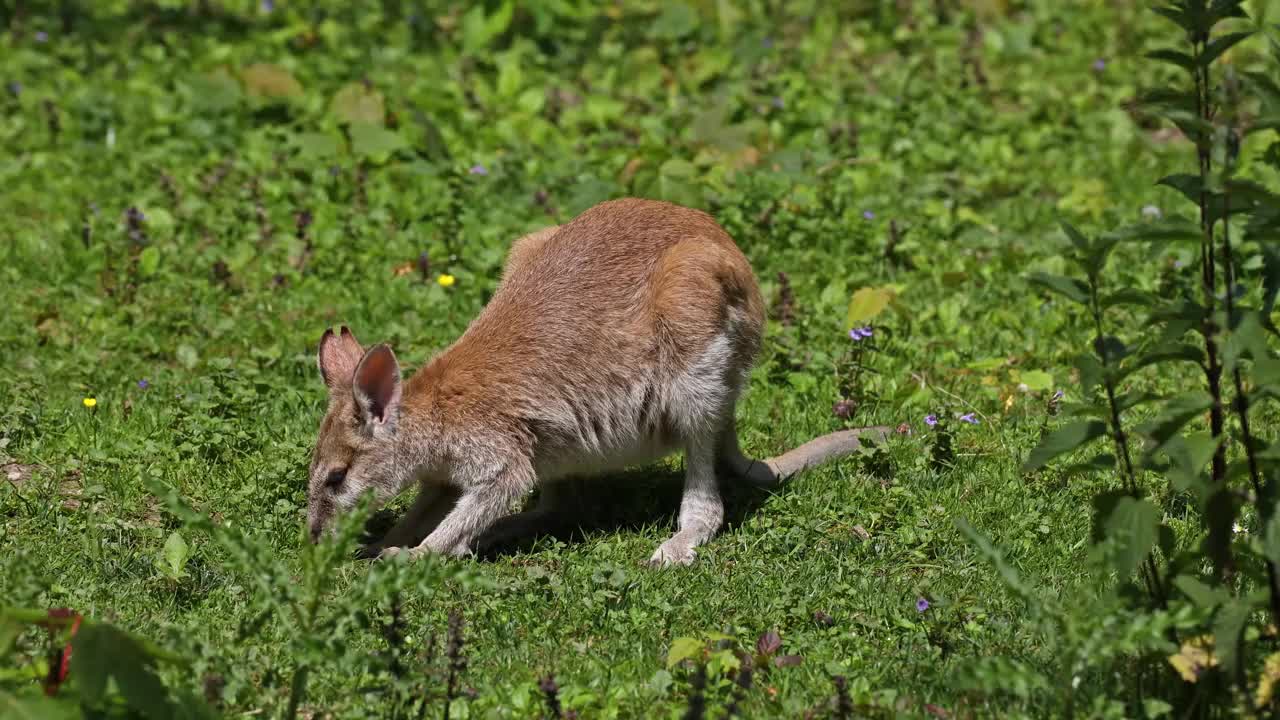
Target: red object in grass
point(60, 664)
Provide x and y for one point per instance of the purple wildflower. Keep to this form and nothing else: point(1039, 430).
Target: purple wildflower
point(143, 384)
point(1058, 395)
point(42, 36)
point(922, 605)
point(970, 418)
point(1099, 65)
point(868, 215)
point(268, 6)
point(478, 169)
point(15, 88)
point(931, 420)
point(857, 334)
point(778, 103)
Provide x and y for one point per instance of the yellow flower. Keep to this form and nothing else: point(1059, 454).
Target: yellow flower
point(1267, 683)
point(446, 280)
point(1194, 658)
point(90, 402)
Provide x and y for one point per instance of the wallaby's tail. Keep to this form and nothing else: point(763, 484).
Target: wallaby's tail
point(772, 472)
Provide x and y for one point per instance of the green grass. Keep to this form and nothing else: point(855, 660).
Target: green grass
point(808, 133)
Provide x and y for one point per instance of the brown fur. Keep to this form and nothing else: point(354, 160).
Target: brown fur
point(613, 339)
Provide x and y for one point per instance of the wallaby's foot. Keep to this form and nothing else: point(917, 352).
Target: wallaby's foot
point(678, 550)
point(414, 553)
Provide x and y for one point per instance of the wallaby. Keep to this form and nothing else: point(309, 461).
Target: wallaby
point(613, 340)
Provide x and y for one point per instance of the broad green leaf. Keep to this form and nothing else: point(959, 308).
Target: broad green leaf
point(1102, 462)
point(1127, 296)
point(1223, 9)
point(1188, 455)
point(1064, 440)
point(866, 304)
point(1076, 237)
point(1091, 371)
point(479, 29)
point(1265, 86)
point(1247, 340)
point(269, 81)
point(176, 553)
point(1167, 229)
point(1204, 597)
point(683, 648)
point(358, 103)
point(1266, 374)
point(1070, 288)
point(1178, 15)
point(1037, 380)
point(1228, 634)
point(1187, 184)
point(1133, 526)
point(1103, 505)
point(101, 651)
point(316, 145)
point(214, 92)
point(677, 20)
point(37, 707)
point(1270, 121)
point(1219, 45)
point(1177, 413)
point(1167, 353)
point(374, 142)
point(148, 261)
point(1133, 399)
point(1175, 57)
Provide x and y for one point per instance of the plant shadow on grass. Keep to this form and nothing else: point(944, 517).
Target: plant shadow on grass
point(628, 501)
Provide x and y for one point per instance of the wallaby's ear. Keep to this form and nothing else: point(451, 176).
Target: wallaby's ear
point(338, 355)
point(377, 385)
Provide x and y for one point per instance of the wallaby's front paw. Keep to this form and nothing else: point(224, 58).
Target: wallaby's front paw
point(676, 551)
point(391, 552)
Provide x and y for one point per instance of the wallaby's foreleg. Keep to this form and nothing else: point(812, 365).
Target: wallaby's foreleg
point(429, 509)
point(556, 503)
point(480, 506)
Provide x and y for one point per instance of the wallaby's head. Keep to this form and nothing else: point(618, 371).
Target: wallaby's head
point(356, 451)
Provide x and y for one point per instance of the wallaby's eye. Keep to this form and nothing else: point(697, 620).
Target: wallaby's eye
point(336, 478)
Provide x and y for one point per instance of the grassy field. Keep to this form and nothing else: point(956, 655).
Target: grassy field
point(191, 196)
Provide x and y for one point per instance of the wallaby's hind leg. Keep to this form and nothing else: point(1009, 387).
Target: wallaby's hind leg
point(731, 461)
point(701, 510)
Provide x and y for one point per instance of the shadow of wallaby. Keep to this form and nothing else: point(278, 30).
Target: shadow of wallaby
point(628, 501)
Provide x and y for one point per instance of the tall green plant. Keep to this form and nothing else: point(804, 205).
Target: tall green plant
point(1199, 441)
